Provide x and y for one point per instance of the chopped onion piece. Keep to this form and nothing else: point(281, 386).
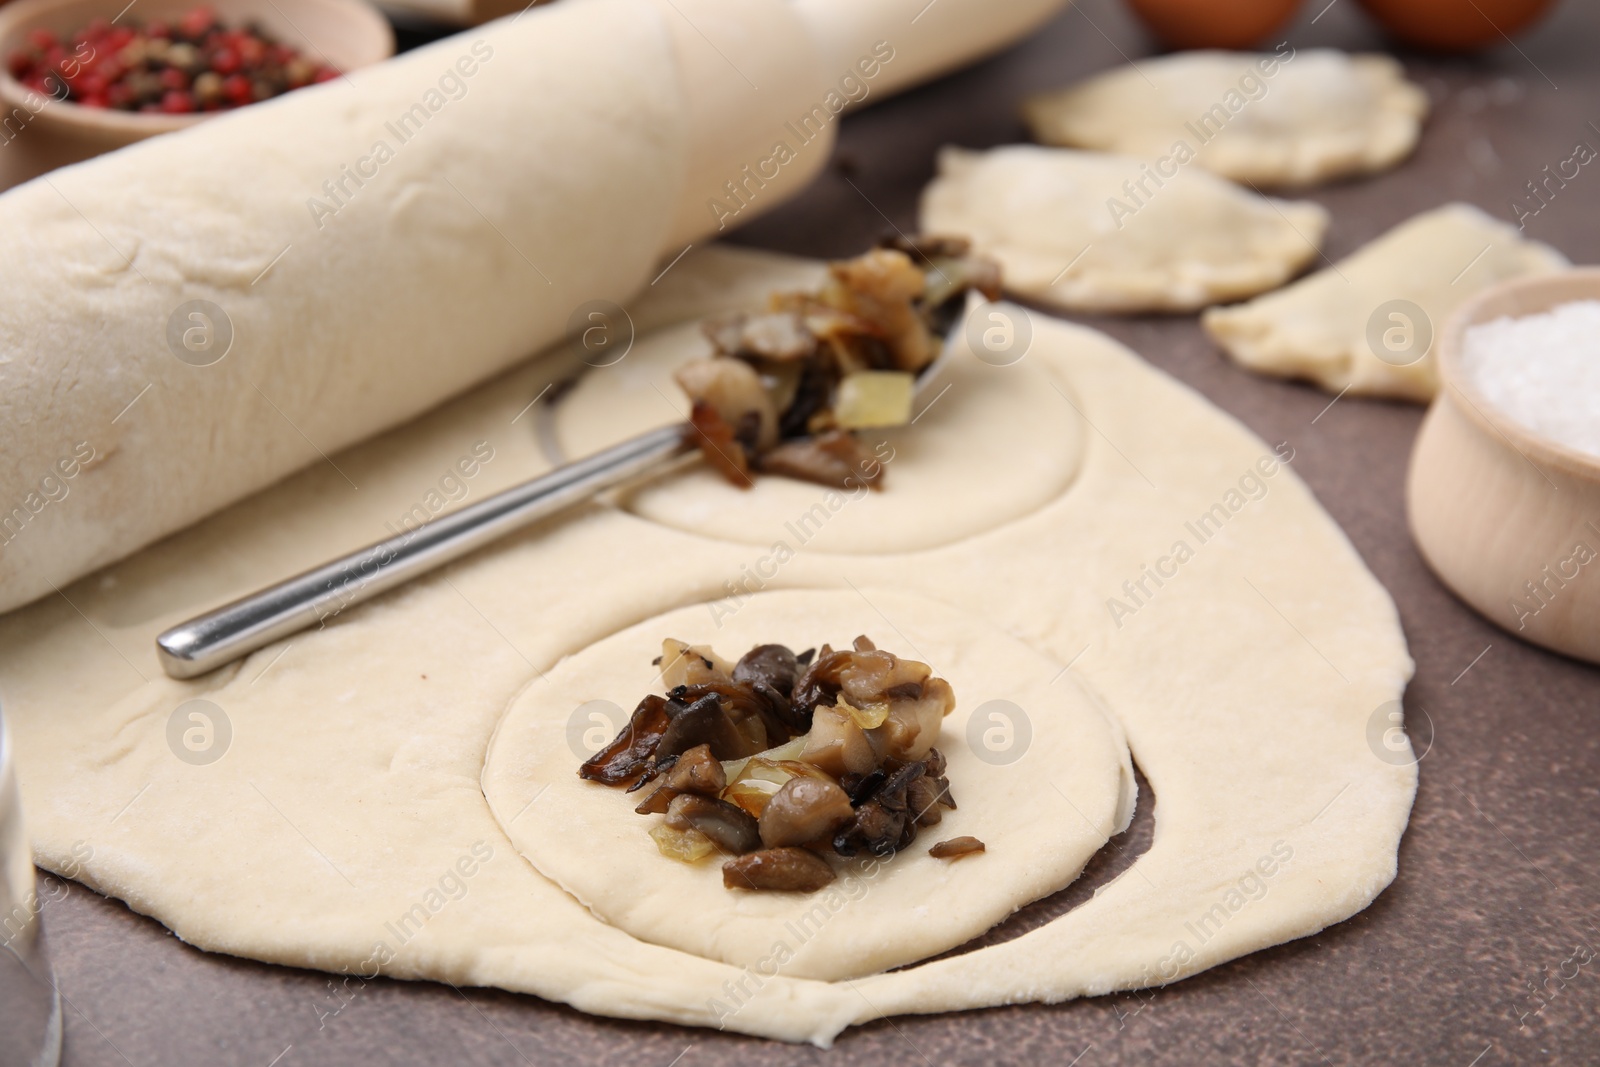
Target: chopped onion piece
point(685, 664)
point(873, 398)
point(751, 795)
point(760, 778)
point(733, 769)
point(761, 769)
point(868, 716)
point(686, 846)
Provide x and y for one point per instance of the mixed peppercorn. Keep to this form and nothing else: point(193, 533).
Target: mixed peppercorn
point(193, 63)
point(780, 761)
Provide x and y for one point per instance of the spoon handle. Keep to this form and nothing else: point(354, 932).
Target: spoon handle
point(218, 637)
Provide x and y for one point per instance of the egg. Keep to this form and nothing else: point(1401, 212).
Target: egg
point(1455, 25)
point(1213, 23)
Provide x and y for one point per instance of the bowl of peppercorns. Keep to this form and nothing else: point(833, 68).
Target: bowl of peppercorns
point(80, 77)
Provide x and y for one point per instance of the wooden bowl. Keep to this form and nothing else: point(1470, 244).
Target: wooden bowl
point(345, 33)
point(1508, 519)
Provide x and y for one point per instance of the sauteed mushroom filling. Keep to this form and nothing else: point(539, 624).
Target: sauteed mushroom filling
point(779, 761)
point(786, 388)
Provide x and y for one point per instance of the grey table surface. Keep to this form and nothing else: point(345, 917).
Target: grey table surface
point(1497, 883)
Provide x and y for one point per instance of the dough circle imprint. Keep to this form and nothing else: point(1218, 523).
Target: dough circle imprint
point(588, 839)
point(943, 474)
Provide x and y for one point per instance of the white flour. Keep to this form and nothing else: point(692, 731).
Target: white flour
point(1543, 371)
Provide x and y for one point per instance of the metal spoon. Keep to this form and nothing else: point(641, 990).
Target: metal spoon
point(218, 637)
point(234, 630)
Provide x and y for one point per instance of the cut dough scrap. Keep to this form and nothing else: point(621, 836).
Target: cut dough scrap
point(348, 802)
point(1092, 232)
point(1286, 120)
point(1330, 327)
point(588, 839)
point(974, 420)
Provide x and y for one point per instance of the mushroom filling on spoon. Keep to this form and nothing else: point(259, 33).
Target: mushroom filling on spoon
point(785, 389)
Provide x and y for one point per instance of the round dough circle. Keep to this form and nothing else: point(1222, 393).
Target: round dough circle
point(587, 839)
point(941, 482)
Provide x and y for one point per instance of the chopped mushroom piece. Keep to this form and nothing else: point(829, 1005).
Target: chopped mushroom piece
point(886, 821)
point(835, 459)
point(730, 828)
point(697, 771)
point(625, 758)
point(704, 722)
point(956, 847)
point(924, 798)
point(820, 684)
point(804, 809)
point(792, 869)
point(951, 272)
point(719, 444)
point(658, 800)
point(882, 287)
point(837, 744)
point(776, 335)
point(870, 672)
point(772, 666)
point(735, 390)
point(913, 723)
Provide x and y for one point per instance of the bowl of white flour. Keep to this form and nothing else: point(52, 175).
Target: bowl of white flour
point(1504, 489)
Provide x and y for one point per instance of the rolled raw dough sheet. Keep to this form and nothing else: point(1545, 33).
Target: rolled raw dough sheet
point(1286, 118)
point(1087, 231)
point(325, 810)
point(1367, 323)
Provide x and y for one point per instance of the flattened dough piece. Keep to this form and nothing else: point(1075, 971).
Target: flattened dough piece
point(1331, 327)
point(588, 840)
point(1092, 232)
point(1288, 119)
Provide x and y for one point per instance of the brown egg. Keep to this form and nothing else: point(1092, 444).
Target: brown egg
point(1454, 25)
point(1213, 23)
